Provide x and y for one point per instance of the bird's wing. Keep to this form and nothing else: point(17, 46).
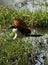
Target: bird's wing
point(24, 30)
point(19, 22)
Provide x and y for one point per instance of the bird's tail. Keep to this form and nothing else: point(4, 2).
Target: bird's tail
point(35, 35)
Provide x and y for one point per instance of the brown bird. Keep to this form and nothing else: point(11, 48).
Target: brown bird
point(21, 28)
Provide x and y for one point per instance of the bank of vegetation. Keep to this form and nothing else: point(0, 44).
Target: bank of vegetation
point(36, 19)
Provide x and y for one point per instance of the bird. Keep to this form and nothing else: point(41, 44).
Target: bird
point(21, 28)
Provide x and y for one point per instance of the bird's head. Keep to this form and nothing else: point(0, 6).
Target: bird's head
point(13, 28)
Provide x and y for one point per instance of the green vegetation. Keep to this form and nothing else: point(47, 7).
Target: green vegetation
point(17, 52)
point(7, 15)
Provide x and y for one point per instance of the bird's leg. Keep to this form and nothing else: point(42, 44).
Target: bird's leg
point(14, 31)
point(15, 36)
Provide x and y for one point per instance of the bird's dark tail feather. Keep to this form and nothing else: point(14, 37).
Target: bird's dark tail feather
point(35, 35)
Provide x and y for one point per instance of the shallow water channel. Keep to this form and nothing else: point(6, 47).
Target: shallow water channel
point(42, 41)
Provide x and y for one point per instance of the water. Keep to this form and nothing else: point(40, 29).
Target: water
point(29, 4)
point(43, 49)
